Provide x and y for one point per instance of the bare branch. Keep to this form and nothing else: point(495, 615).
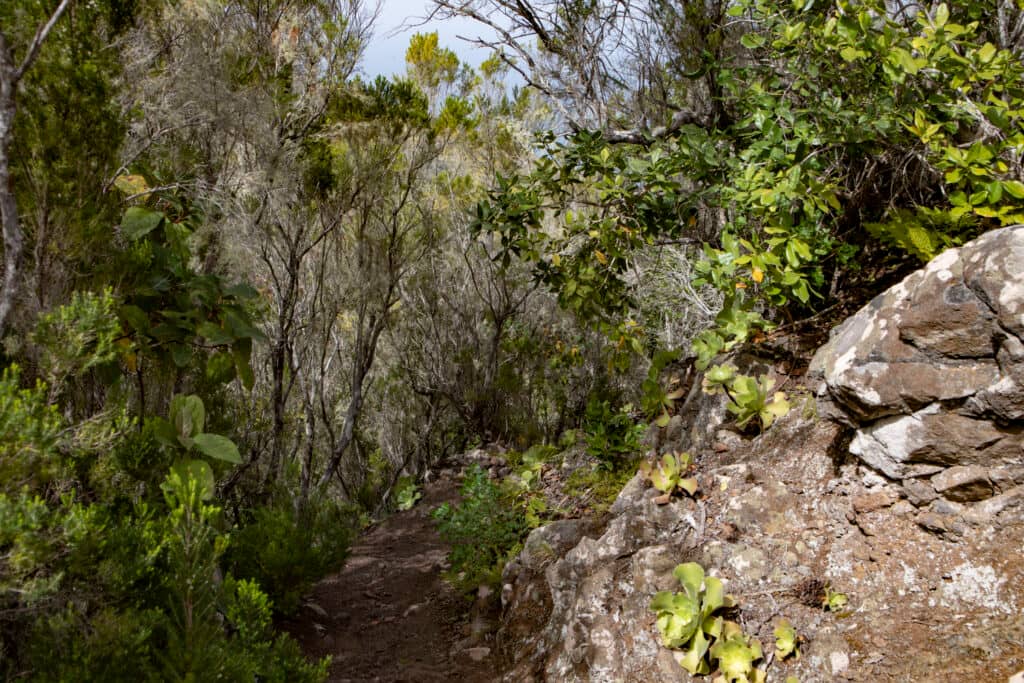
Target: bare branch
point(37, 41)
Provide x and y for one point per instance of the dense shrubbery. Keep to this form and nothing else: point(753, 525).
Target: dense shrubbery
point(112, 546)
point(174, 444)
point(284, 552)
point(485, 530)
point(612, 436)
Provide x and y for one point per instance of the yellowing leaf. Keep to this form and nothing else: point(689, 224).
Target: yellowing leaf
point(131, 184)
point(601, 257)
point(757, 274)
point(556, 259)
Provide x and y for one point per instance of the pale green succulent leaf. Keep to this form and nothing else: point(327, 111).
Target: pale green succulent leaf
point(735, 656)
point(688, 485)
point(691, 576)
point(778, 407)
point(720, 374)
point(785, 640)
point(662, 601)
point(712, 626)
point(693, 659)
point(678, 617)
point(714, 595)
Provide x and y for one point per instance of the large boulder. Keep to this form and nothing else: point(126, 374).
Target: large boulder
point(931, 374)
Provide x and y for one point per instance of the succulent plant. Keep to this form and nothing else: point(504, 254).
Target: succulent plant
point(736, 654)
point(686, 620)
point(786, 640)
point(834, 601)
point(749, 397)
point(667, 474)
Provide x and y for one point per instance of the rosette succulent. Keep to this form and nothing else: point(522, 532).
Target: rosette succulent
point(668, 474)
point(736, 654)
point(786, 640)
point(686, 620)
point(749, 397)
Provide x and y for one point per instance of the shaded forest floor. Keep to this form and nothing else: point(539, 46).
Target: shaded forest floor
point(388, 615)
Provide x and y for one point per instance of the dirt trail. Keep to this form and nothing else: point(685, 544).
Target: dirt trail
point(388, 616)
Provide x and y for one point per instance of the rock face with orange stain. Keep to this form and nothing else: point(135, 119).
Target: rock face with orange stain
point(905, 492)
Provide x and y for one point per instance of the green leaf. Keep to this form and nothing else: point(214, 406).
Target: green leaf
point(181, 354)
point(851, 54)
point(1015, 188)
point(188, 416)
point(219, 447)
point(689, 485)
point(242, 354)
point(136, 317)
point(214, 334)
point(242, 291)
point(691, 576)
point(986, 53)
point(195, 471)
point(941, 15)
point(752, 41)
point(220, 367)
point(240, 326)
point(138, 222)
point(785, 640)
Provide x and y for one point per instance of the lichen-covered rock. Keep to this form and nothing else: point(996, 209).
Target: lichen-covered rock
point(931, 373)
point(780, 520)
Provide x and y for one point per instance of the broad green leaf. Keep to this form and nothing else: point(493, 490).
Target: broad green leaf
point(689, 485)
point(214, 334)
point(691, 576)
point(219, 447)
point(188, 415)
point(220, 367)
point(138, 222)
point(986, 53)
point(1015, 188)
point(191, 473)
point(752, 41)
point(181, 354)
point(242, 291)
point(242, 352)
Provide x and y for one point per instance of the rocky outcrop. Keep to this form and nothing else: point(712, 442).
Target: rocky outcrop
point(931, 375)
point(905, 492)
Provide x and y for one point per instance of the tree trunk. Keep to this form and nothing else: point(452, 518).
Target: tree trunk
point(13, 239)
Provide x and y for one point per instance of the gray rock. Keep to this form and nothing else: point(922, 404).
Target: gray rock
point(963, 484)
point(932, 338)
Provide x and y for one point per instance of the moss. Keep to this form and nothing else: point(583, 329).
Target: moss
point(600, 486)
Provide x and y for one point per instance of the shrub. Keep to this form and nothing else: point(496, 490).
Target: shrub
point(286, 553)
point(485, 531)
point(612, 436)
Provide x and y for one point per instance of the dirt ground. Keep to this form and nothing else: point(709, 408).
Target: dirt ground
point(388, 616)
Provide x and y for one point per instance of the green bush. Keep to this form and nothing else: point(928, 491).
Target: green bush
point(485, 529)
point(612, 436)
point(166, 617)
point(286, 553)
